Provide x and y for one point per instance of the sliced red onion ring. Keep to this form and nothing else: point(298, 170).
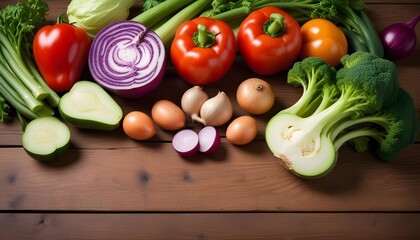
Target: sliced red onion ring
point(209, 140)
point(127, 59)
point(185, 142)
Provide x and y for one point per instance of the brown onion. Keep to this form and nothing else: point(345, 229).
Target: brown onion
point(255, 96)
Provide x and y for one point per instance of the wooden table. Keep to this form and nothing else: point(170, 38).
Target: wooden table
point(111, 187)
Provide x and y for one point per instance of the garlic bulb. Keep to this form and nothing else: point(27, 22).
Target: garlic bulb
point(216, 111)
point(192, 100)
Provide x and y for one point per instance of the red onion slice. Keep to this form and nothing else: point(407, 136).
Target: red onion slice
point(127, 59)
point(209, 140)
point(185, 142)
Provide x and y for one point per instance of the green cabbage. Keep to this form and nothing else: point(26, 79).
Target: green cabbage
point(93, 15)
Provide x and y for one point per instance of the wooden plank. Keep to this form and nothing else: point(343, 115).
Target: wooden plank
point(151, 177)
point(211, 226)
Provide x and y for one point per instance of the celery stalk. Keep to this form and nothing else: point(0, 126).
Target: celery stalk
point(32, 103)
point(15, 100)
point(167, 31)
point(16, 63)
point(52, 97)
point(154, 15)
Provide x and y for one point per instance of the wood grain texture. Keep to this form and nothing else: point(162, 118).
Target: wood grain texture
point(152, 178)
point(192, 226)
point(111, 187)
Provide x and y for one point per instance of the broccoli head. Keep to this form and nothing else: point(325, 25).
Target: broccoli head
point(362, 103)
point(311, 74)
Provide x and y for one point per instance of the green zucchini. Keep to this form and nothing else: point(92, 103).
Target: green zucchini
point(88, 105)
point(46, 138)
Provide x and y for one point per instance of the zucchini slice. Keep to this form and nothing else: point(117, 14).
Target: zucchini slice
point(46, 138)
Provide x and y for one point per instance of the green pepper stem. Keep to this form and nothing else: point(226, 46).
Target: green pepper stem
point(202, 34)
point(203, 38)
point(275, 26)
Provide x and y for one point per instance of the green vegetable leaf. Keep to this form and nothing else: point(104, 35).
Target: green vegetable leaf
point(148, 4)
point(19, 21)
point(5, 110)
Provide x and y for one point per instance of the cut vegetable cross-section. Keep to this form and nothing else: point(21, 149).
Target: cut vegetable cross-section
point(46, 138)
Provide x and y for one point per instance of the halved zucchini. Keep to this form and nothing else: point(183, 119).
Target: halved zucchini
point(46, 138)
point(88, 105)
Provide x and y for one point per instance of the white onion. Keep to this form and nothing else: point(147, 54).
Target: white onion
point(127, 59)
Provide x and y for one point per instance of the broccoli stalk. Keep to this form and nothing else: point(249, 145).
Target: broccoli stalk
point(310, 74)
point(365, 100)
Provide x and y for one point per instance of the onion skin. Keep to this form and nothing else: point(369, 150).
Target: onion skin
point(138, 125)
point(167, 115)
point(255, 96)
point(399, 39)
point(242, 130)
point(127, 59)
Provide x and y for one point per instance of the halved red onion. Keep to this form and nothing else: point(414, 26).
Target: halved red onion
point(209, 140)
point(127, 59)
point(185, 142)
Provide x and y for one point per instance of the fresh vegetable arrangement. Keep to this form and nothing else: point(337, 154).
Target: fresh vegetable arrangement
point(350, 95)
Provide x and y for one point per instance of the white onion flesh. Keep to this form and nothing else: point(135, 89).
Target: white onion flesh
point(209, 140)
point(128, 59)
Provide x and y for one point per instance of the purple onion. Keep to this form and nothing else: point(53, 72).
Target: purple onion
point(127, 59)
point(209, 140)
point(185, 142)
point(399, 39)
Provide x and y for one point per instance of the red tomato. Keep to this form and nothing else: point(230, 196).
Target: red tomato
point(267, 42)
point(323, 39)
point(203, 56)
point(61, 53)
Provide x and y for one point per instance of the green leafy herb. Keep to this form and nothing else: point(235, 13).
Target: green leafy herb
point(20, 82)
point(4, 110)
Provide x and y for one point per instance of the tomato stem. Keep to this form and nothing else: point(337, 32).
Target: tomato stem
point(275, 26)
point(203, 38)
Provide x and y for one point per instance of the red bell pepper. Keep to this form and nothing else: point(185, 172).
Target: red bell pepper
point(61, 53)
point(203, 50)
point(269, 40)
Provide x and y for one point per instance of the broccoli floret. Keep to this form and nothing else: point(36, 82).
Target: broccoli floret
point(350, 60)
point(392, 129)
point(365, 105)
point(373, 81)
point(311, 74)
